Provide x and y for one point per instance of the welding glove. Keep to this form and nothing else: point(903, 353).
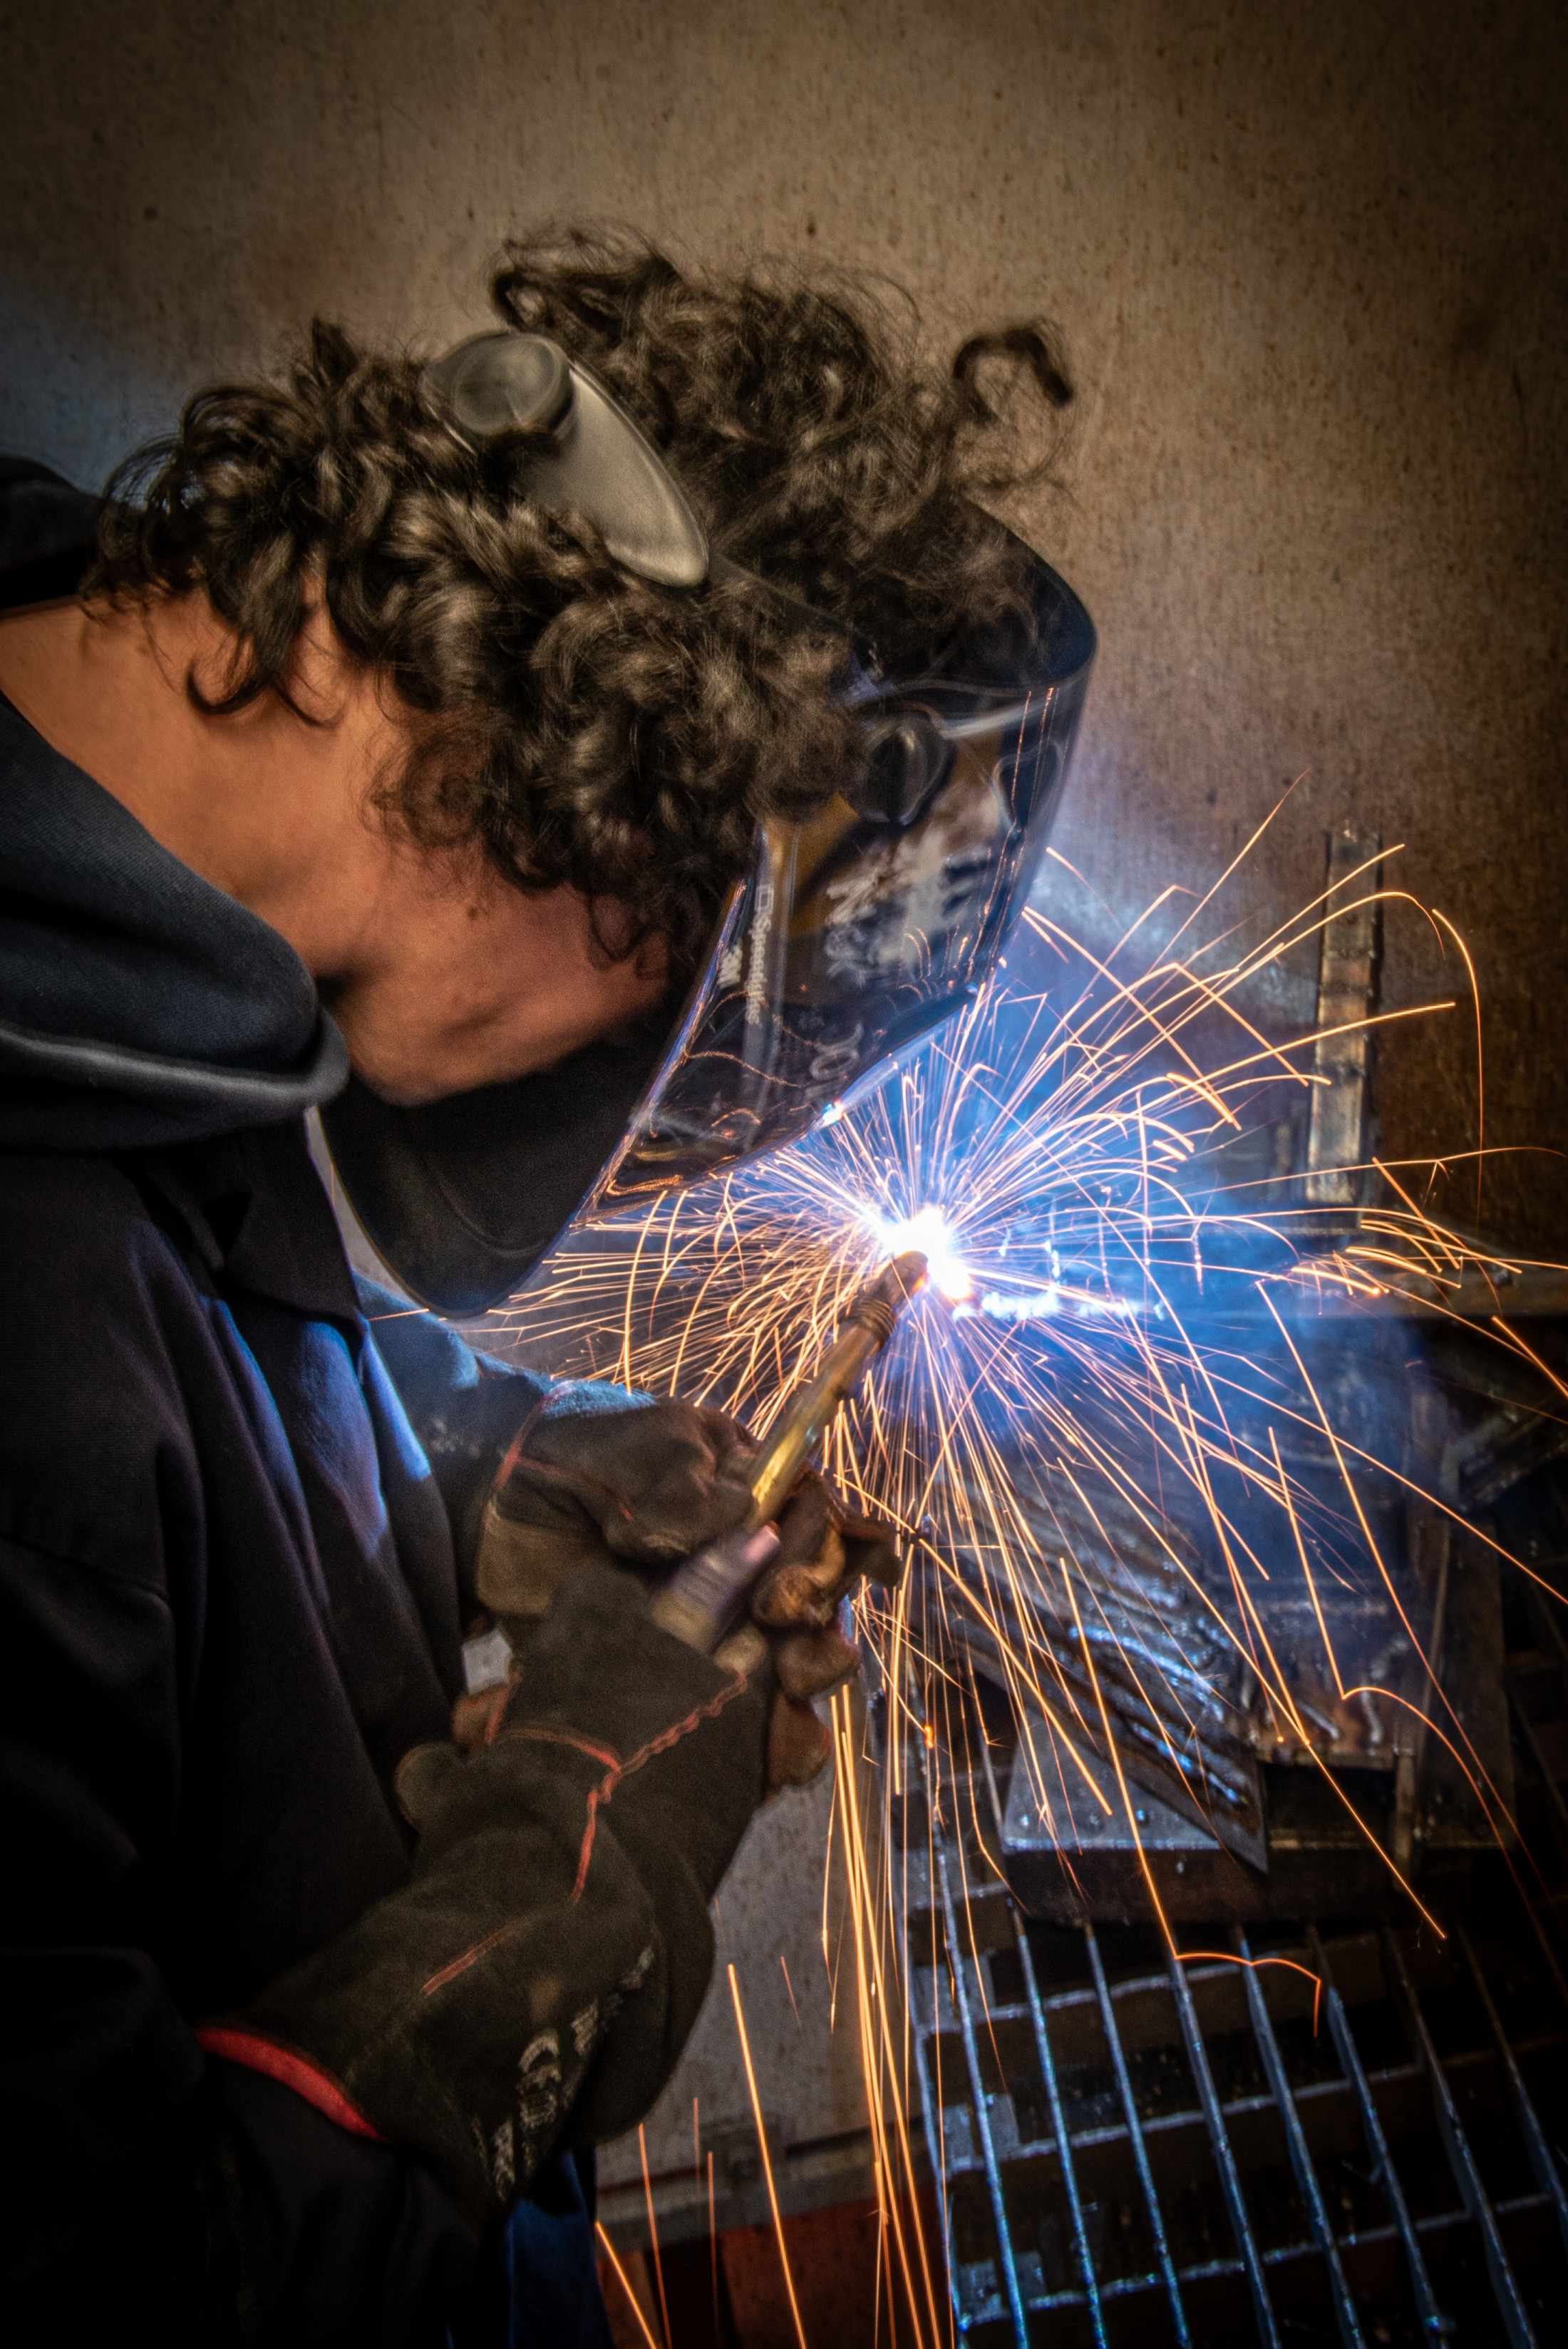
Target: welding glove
point(643, 1486)
point(801, 1619)
point(533, 1983)
point(646, 1486)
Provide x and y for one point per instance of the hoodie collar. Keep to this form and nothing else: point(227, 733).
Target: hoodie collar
point(140, 1007)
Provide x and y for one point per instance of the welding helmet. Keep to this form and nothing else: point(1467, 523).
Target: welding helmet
point(854, 936)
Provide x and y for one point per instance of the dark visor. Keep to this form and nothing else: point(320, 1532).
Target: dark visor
point(852, 939)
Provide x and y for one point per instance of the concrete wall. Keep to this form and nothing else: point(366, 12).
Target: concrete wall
point(1309, 262)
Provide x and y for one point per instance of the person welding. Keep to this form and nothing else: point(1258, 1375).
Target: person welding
point(571, 766)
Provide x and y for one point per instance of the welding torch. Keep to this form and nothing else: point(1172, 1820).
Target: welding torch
point(708, 1596)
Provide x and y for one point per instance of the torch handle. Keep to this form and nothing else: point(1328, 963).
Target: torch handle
point(802, 1423)
point(708, 1591)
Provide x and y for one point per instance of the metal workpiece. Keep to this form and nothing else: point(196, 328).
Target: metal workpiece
point(1417, 1292)
point(1374, 1755)
point(1339, 1119)
point(1216, 1794)
point(1429, 1547)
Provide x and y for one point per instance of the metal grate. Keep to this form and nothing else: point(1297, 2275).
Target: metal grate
point(1133, 2150)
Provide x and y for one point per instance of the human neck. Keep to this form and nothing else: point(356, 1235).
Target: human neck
point(267, 806)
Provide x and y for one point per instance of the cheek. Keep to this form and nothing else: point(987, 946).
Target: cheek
point(503, 999)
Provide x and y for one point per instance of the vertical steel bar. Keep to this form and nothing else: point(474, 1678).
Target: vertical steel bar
point(1139, 2150)
point(930, 2092)
point(1456, 2145)
point(1341, 1056)
point(1009, 2265)
point(1547, 2175)
point(1301, 2159)
point(935, 2142)
point(1433, 2321)
point(1059, 2131)
point(1224, 2158)
point(1053, 2092)
point(927, 2057)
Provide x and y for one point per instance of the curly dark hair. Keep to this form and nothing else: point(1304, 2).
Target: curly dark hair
point(579, 724)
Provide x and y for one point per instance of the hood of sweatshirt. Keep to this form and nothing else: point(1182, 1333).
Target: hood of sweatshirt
point(138, 1005)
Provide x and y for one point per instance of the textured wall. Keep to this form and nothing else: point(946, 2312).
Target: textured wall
point(1307, 261)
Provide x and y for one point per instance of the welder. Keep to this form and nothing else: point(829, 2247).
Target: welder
point(570, 765)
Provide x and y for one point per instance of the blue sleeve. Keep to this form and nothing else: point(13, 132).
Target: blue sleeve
point(465, 1407)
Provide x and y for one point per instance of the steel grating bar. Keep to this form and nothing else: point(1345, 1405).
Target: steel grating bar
point(1053, 2092)
point(1135, 2134)
point(927, 2053)
point(959, 2007)
point(931, 2111)
point(1547, 2175)
point(1553, 1964)
point(1432, 2318)
point(1301, 2159)
point(1059, 2131)
point(1224, 2158)
point(1456, 2145)
point(1284, 2255)
point(987, 2143)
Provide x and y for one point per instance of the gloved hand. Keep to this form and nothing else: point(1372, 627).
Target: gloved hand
point(536, 1980)
point(647, 1485)
point(800, 1621)
point(641, 1487)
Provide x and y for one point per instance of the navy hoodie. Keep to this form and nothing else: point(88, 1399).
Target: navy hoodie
point(230, 1599)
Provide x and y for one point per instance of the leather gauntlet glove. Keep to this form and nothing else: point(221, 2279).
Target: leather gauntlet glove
point(649, 1485)
point(643, 1486)
point(800, 1621)
point(550, 1953)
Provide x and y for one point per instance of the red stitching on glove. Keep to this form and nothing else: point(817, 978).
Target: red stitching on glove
point(619, 1769)
point(668, 1737)
point(503, 1473)
point(291, 2070)
point(606, 1788)
point(544, 1473)
point(579, 1745)
point(461, 1965)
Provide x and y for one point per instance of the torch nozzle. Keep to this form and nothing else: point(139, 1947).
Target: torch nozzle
point(878, 1304)
point(702, 1596)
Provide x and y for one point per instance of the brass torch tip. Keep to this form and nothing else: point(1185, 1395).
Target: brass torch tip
point(908, 1274)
